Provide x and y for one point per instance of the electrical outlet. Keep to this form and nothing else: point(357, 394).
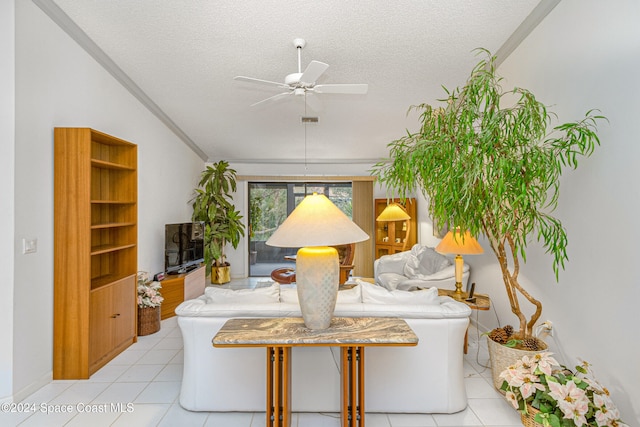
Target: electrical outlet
point(30, 246)
point(545, 328)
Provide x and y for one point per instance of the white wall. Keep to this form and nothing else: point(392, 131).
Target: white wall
point(59, 85)
point(7, 170)
point(586, 54)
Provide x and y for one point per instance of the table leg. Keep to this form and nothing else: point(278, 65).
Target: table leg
point(466, 341)
point(278, 386)
point(352, 386)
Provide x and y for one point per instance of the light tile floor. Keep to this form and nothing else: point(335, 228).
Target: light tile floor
point(140, 387)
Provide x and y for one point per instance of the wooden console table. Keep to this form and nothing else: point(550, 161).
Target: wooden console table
point(351, 334)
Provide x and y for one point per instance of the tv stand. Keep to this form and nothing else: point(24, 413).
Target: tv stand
point(180, 287)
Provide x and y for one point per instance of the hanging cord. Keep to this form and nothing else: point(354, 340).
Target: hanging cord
point(305, 131)
point(478, 337)
point(542, 331)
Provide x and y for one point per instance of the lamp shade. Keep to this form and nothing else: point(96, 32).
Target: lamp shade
point(316, 221)
point(460, 244)
point(393, 212)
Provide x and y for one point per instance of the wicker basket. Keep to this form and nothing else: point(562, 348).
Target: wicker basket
point(528, 419)
point(148, 320)
point(502, 357)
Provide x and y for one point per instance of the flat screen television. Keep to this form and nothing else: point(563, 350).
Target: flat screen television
point(183, 247)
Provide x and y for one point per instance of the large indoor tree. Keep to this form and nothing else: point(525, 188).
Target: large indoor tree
point(488, 161)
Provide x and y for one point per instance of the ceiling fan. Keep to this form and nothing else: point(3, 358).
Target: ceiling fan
point(304, 82)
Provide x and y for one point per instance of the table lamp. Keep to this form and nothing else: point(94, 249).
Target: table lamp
point(459, 244)
point(314, 226)
point(395, 212)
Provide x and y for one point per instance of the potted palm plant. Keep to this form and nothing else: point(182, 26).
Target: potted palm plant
point(489, 162)
point(213, 204)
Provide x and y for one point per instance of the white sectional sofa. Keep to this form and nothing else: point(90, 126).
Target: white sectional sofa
point(427, 378)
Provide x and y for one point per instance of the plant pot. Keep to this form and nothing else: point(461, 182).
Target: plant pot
point(220, 275)
point(502, 357)
point(253, 257)
point(528, 419)
point(148, 320)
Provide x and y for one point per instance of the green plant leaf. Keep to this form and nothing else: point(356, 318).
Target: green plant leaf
point(213, 203)
point(512, 343)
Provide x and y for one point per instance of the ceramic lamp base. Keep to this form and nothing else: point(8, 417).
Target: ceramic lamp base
point(317, 277)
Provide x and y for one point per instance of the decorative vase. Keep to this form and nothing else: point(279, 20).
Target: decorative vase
point(220, 275)
point(148, 320)
point(317, 276)
point(502, 357)
point(528, 419)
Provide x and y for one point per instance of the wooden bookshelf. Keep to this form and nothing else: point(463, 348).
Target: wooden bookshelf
point(95, 250)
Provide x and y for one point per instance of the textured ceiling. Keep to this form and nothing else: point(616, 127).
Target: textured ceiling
point(182, 56)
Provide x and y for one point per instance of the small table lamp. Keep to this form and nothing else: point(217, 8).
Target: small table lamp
point(459, 244)
point(313, 226)
point(395, 212)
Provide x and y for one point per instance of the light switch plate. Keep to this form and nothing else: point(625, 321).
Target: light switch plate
point(30, 245)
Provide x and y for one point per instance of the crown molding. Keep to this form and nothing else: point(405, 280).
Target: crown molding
point(534, 19)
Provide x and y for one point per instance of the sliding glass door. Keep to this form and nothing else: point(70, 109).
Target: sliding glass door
point(269, 205)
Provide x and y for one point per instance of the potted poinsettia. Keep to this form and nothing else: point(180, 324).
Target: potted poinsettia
point(551, 395)
point(149, 302)
point(148, 291)
point(489, 161)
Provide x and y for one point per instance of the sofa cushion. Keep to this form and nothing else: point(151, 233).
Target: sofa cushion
point(265, 295)
point(347, 296)
point(350, 296)
point(378, 295)
point(424, 261)
point(289, 294)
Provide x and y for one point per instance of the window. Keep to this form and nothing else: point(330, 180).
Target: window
point(269, 205)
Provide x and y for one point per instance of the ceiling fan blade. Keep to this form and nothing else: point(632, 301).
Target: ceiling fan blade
point(313, 71)
point(272, 98)
point(346, 88)
point(260, 81)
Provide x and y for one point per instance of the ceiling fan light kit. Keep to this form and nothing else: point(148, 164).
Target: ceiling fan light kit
point(304, 82)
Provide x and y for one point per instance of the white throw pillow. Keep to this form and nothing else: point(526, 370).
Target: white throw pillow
point(391, 263)
point(424, 261)
point(347, 296)
point(379, 295)
point(390, 281)
point(431, 262)
point(289, 295)
point(265, 295)
point(350, 296)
